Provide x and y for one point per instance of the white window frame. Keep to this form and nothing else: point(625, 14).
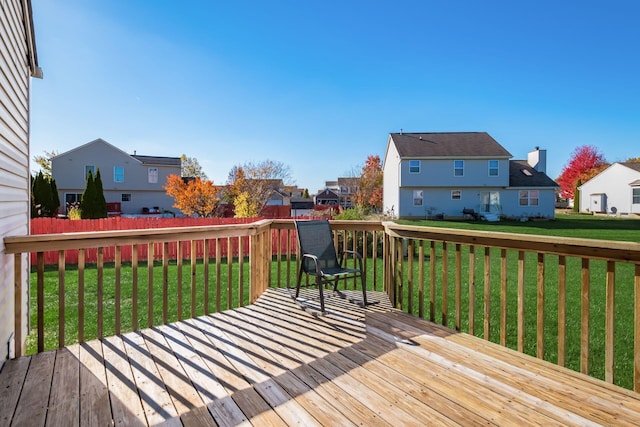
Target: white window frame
point(152, 174)
point(456, 194)
point(635, 196)
point(529, 198)
point(418, 197)
point(495, 168)
point(458, 165)
point(414, 166)
point(117, 175)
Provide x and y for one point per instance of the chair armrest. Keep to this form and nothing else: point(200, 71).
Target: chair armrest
point(354, 253)
point(315, 261)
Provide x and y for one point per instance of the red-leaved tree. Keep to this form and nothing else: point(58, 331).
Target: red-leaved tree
point(369, 193)
point(586, 161)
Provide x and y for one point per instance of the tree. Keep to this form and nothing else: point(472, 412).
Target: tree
point(193, 196)
point(101, 203)
point(190, 168)
point(44, 196)
point(370, 184)
point(585, 162)
point(633, 160)
point(44, 161)
point(254, 183)
point(87, 201)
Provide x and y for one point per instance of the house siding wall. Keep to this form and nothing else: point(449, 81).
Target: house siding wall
point(14, 159)
point(439, 173)
point(391, 180)
point(510, 201)
point(614, 183)
point(68, 171)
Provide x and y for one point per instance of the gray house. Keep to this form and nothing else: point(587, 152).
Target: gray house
point(19, 62)
point(435, 175)
point(135, 182)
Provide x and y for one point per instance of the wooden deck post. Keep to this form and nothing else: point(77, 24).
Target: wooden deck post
point(18, 305)
point(259, 261)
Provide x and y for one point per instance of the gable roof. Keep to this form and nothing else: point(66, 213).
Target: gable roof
point(632, 165)
point(521, 174)
point(447, 144)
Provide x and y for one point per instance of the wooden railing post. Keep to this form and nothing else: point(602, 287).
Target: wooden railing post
point(18, 305)
point(259, 262)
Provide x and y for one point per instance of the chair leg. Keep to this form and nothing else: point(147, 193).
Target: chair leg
point(320, 286)
point(363, 280)
point(299, 281)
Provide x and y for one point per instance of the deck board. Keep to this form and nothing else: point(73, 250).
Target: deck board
point(279, 362)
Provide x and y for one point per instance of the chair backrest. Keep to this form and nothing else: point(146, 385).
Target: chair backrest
point(315, 238)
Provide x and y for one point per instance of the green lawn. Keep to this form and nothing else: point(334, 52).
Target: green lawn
point(565, 225)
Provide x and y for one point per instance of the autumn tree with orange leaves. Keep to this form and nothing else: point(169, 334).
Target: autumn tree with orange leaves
point(369, 193)
point(194, 196)
point(586, 162)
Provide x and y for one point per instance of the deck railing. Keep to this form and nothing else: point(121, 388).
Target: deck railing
point(573, 302)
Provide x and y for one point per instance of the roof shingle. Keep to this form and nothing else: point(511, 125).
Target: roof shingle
point(448, 144)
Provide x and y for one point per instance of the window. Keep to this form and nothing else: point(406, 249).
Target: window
point(414, 166)
point(458, 168)
point(153, 175)
point(456, 194)
point(636, 196)
point(417, 197)
point(493, 168)
point(88, 168)
point(528, 197)
point(118, 174)
point(126, 197)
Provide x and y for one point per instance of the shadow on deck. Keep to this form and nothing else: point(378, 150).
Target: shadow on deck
point(272, 363)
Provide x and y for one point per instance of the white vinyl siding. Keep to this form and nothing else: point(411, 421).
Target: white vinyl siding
point(14, 158)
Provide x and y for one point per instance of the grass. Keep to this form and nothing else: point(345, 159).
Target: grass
point(565, 225)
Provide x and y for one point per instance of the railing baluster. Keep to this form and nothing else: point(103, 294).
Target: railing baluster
point(503, 297)
point(81, 311)
point(458, 288)
point(229, 274)
point(540, 308)
point(61, 304)
point(432, 279)
point(150, 262)
point(636, 329)
point(609, 322)
point(241, 271)
point(165, 282)
point(420, 279)
point(584, 317)
point(445, 284)
point(134, 287)
point(218, 274)
point(374, 251)
point(410, 250)
point(562, 309)
point(521, 296)
point(118, 290)
point(40, 300)
point(472, 289)
point(487, 293)
point(179, 266)
point(194, 260)
point(100, 268)
point(205, 264)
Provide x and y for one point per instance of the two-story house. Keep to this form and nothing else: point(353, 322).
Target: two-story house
point(430, 175)
point(136, 182)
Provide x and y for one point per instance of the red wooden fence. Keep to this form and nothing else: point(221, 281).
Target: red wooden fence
point(56, 226)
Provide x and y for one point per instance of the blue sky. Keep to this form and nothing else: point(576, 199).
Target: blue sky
point(319, 85)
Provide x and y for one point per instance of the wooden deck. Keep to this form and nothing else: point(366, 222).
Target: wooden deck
point(272, 363)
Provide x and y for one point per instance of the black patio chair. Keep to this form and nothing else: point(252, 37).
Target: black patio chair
point(319, 259)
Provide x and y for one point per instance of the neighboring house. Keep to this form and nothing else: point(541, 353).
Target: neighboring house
point(18, 62)
point(347, 190)
point(327, 198)
point(136, 182)
point(301, 206)
point(278, 198)
point(615, 190)
point(435, 175)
